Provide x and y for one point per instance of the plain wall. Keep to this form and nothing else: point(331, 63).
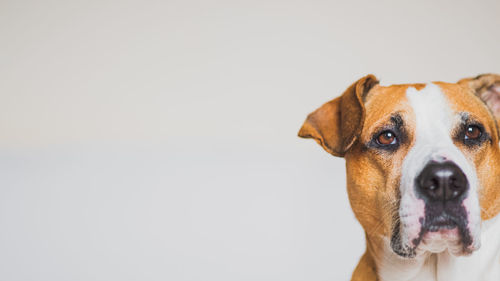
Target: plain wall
point(156, 140)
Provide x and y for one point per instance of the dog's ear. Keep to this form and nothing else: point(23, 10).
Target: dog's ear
point(487, 88)
point(337, 124)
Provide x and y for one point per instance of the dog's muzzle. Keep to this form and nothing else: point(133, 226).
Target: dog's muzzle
point(442, 187)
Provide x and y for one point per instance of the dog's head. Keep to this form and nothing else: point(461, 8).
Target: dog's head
point(422, 160)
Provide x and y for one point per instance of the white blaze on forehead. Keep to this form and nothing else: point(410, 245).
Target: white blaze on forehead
point(435, 121)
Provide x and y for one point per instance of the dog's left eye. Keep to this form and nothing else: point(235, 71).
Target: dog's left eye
point(472, 132)
point(387, 138)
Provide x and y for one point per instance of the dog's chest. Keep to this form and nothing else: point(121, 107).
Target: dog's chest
point(445, 267)
point(483, 265)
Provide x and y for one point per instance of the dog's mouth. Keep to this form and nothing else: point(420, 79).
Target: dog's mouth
point(437, 233)
point(443, 224)
point(443, 221)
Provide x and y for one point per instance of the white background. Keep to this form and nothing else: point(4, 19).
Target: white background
point(156, 140)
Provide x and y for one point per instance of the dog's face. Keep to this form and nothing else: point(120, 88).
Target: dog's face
point(422, 160)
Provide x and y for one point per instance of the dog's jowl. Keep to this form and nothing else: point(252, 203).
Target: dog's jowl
point(423, 175)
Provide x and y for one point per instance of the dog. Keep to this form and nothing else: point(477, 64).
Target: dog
point(423, 175)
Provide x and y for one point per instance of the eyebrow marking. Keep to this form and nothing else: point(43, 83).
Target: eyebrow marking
point(464, 117)
point(397, 120)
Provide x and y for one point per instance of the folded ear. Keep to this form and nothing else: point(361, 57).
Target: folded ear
point(486, 87)
point(337, 124)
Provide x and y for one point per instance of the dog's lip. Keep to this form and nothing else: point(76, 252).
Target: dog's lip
point(442, 224)
point(443, 221)
point(436, 228)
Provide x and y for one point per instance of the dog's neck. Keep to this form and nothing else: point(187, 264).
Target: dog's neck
point(484, 264)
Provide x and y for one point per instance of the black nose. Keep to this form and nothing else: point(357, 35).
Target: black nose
point(441, 181)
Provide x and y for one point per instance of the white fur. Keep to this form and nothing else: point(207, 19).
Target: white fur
point(439, 259)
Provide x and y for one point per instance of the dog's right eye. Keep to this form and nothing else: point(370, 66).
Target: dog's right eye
point(387, 138)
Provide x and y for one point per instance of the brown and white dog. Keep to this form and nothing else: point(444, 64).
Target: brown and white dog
point(423, 175)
